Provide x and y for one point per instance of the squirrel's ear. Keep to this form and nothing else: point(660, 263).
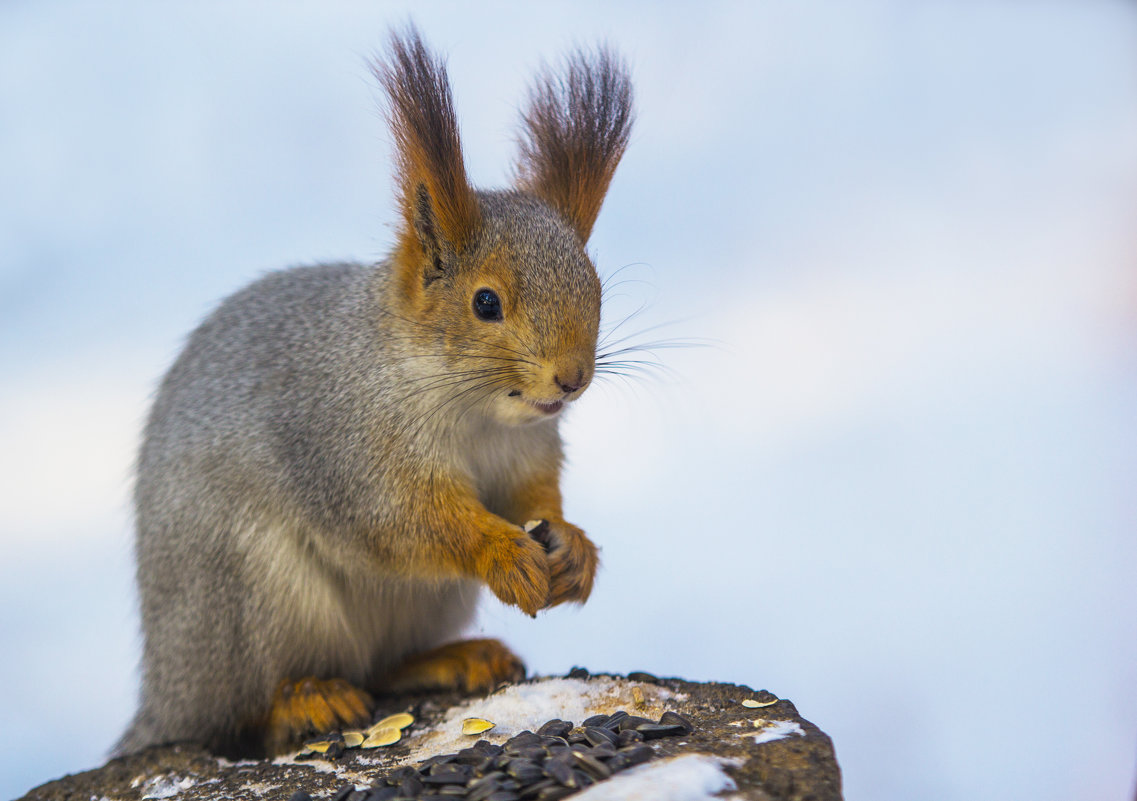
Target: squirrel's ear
point(440, 209)
point(573, 134)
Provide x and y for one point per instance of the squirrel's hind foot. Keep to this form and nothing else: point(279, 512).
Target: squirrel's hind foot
point(470, 666)
point(310, 706)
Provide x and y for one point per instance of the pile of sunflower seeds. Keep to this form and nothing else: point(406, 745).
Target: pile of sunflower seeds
point(554, 762)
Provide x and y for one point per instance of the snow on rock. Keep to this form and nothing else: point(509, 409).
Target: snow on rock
point(166, 786)
point(693, 777)
point(776, 730)
point(528, 706)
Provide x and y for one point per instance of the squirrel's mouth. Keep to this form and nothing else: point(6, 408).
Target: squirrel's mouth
point(547, 407)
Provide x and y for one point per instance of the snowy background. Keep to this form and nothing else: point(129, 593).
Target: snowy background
point(899, 489)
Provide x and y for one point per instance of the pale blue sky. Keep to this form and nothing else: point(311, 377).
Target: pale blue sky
point(898, 491)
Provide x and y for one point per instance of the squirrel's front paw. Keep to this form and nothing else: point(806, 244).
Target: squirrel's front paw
point(516, 569)
point(572, 560)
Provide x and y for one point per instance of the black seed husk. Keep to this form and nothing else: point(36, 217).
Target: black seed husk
point(631, 721)
point(592, 766)
point(411, 787)
point(552, 763)
point(642, 676)
point(629, 736)
point(504, 795)
point(561, 772)
point(653, 731)
point(637, 754)
point(556, 728)
point(613, 722)
point(554, 793)
point(675, 719)
point(398, 774)
point(533, 790)
point(598, 736)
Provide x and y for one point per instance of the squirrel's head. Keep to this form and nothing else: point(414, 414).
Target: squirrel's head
point(500, 281)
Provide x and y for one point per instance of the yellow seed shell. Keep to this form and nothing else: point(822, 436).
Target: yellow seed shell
point(354, 739)
point(476, 725)
point(638, 697)
point(398, 721)
point(317, 747)
point(750, 703)
point(382, 737)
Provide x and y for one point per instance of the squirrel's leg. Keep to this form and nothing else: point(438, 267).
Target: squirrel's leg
point(467, 540)
point(572, 556)
point(313, 706)
point(467, 665)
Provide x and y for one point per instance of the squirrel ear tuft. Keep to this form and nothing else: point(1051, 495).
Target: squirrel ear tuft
point(574, 132)
point(440, 209)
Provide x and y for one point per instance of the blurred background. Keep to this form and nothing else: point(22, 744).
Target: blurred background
point(898, 487)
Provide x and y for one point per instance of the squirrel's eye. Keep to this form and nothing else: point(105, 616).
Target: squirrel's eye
point(487, 305)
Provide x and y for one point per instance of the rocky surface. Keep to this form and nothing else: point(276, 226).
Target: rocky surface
point(751, 748)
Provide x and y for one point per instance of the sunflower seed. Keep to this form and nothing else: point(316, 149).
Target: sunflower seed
point(397, 721)
point(382, 737)
point(750, 703)
point(472, 726)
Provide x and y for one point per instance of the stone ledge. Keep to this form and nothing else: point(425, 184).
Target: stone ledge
point(767, 752)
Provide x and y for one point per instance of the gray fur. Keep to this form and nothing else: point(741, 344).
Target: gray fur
point(281, 446)
point(297, 446)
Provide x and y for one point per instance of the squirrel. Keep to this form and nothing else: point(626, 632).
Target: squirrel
point(342, 454)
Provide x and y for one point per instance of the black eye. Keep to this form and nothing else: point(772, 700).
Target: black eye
point(487, 305)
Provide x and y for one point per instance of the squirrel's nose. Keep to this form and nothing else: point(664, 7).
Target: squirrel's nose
point(569, 387)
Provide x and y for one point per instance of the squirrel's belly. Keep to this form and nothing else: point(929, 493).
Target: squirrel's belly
point(327, 623)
